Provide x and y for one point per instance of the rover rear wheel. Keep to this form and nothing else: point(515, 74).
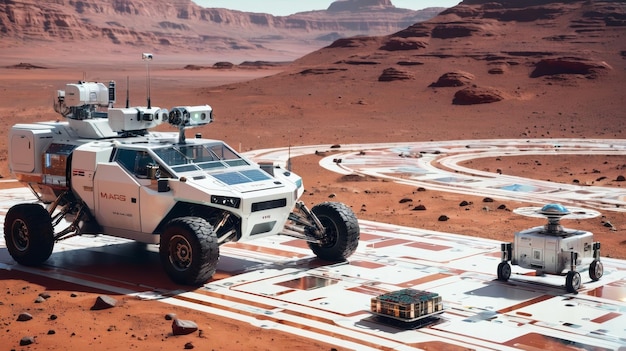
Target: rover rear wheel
point(596, 270)
point(29, 234)
point(572, 281)
point(504, 271)
point(342, 233)
point(189, 250)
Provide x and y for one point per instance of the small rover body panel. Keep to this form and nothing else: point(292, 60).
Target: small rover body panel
point(104, 172)
point(552, 249)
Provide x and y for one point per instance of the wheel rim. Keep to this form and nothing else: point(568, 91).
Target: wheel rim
point(576, 281)
point(330, 239)
point(180, 252)
point(599, 270)
point(20, 236)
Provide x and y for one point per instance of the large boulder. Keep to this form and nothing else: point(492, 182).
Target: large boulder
point(475, 95)
point(391, 74)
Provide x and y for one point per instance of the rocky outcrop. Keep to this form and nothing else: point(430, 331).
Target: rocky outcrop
point(572, 65)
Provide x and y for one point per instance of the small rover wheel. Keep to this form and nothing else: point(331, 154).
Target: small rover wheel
point(29, 234)
point(341, 237)
point(189, 250)
point(504, 271)
point(596, 270)
point(572, 281)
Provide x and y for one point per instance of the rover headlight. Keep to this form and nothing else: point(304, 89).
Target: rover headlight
point(229, 201)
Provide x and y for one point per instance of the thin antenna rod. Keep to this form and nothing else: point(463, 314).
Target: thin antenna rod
point(147, 57)
point(127, 93)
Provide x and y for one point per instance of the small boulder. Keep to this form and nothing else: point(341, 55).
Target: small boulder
point(27, 340)
point(24, 317)
point(443, 218)
point(104, 302)
point(183, 327)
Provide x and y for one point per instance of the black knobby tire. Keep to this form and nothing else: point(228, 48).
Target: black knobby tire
point(504, 271)
point(341, 237)
point(596, 270)
point(572, 282)
point(29, 234)
point(189, 250)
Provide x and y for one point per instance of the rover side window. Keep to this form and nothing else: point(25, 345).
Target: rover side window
point(140, 163)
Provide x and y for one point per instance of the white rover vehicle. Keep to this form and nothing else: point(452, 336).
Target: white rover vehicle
point(104, 172)
point(552, 249)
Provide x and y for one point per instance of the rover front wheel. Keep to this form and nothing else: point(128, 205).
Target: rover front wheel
point(342, 232)
point(504, 271)
point(596, 270)
point(29, 234)
point(572, 281)
point(189, 250)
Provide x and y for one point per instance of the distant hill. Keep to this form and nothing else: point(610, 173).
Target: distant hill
point(182, 25)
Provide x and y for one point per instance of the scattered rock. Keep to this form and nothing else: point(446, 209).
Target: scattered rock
point(453, 79)
point(103, 302)
point(183, 327)
point(24, 316)
point(496, 70)
point(419, 208)
point(405, 200)
point(45, 295)
point(170, 316)
point(420, 189)
point(464, 203)
point(332, 196)
point(53, 317)
point(188, 346)
point(39, 299)
point(487, 199)
point(620, 178)
point(443, 218)
point(502, 207)
point(475, 95)
point(27, 340)
point(608, 224)
point(392, 74)
point(51, 332)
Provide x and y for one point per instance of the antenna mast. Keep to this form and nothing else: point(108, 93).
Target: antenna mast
point(147, 57)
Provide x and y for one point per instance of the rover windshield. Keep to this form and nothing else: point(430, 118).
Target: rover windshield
point(193, 157)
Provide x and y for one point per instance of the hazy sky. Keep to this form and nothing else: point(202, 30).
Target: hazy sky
point(288, 7)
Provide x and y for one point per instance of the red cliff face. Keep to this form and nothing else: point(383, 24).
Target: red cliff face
point(186, 26)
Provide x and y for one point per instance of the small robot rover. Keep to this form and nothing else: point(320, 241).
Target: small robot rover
point(552, 249)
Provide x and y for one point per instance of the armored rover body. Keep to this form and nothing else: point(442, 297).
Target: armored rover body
point(101, 171)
